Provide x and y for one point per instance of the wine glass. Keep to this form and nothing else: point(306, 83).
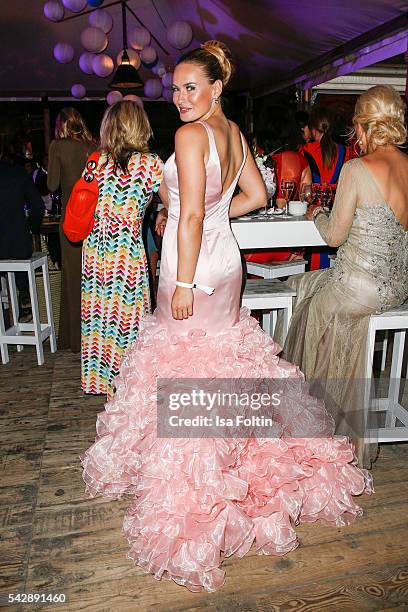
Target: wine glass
point(326, 195)
point(287, 189)
point(306, 193)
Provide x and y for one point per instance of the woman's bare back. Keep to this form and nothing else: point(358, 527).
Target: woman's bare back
point(389, 168)
point(229, 147)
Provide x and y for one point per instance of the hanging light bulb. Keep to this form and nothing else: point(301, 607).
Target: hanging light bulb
point(126, 75)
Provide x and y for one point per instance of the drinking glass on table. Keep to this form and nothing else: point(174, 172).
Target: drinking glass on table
point(306, 193)
point(326, 195)
point(287, 189)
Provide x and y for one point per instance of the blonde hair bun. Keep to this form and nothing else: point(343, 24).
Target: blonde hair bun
point(380, 112)
point(223, 56)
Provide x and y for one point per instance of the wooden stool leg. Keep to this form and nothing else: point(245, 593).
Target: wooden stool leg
point(368, 375)
point(384, 351)
point(14, 305)
point(395, 377)
point(267, 323)
point(48, 305)
point(36, 317)
point(3, 340)
point(287, 315)
point(274, 314)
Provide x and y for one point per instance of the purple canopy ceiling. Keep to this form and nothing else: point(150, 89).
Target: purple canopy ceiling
point(270, 39)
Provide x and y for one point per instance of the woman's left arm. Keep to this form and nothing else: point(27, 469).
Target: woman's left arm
point(191, 142)
point(335, 228)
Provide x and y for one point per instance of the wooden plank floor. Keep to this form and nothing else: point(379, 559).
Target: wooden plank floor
point(54, 539)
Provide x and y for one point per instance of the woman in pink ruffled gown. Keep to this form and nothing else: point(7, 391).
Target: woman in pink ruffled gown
point(198, 499)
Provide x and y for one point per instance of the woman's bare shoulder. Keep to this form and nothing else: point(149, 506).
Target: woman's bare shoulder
point(191, 135)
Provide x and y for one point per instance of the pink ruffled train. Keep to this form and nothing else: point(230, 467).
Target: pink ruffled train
point(196, 500)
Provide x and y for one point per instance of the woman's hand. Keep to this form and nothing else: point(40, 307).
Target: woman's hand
point(182, 303)
point(310, 211)
point(161, 221)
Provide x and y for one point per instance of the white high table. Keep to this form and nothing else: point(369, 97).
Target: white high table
point(271, 232)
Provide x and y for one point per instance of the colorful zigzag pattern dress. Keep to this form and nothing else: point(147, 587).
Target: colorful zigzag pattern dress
point(115, 281)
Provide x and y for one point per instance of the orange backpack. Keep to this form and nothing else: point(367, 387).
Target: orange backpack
point(79, 213)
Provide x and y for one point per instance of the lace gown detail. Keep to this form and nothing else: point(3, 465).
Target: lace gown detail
point(328, 332)
point(198, 500)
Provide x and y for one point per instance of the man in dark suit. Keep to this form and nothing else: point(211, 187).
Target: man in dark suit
point(21, 212)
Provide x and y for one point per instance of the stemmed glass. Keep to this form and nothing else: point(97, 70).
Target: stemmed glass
point(306, 193)
point(326, 195)
point(287, 189)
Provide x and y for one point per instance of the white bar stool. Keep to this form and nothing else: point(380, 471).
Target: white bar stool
point(395, 320)
point(275, 269)
point(39, 331)
point(3, 292)
point(271, 295)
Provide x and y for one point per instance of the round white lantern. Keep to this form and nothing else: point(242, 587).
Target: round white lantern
point(134, 58)
point(179, 34)
point(167, 80)
point(76, 6)
point(139, 38)
point(85, 62)
point(168, 94)
point(113, 97)
point(78, 91)
point(94, 40)
point(148, 55)
point(159, 69)
point(54, 11)
point(101, 19)
point(153, 88)
point(134, 98)
point(63, 53)
point(102, 65)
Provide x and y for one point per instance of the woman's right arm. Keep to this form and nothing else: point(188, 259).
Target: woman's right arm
point(253, 191)
point(54, 168)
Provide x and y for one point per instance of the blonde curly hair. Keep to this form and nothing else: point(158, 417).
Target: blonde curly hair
point(380, 112)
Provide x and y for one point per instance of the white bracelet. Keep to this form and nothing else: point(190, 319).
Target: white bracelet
point(207, 290)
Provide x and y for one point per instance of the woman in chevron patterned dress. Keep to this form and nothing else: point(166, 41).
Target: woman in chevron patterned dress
point(115, 283)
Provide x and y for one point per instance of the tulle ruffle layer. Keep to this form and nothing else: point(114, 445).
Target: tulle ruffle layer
point(196, 500)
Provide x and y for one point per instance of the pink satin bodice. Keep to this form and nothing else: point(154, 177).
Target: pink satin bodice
point(219, 262)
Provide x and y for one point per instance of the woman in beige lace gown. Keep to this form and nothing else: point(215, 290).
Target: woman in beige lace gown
point(369, 222)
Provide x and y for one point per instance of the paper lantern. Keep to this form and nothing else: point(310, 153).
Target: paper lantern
point(139, 38)
point(168, 94)
point(95, 3)
point(63, 53)
point(102, 65)
point(134, 58)
point(94, 40)
point(167, 80)
point(113, 97)
point(78, 91)
point(85, 62)
point(159, 69)
point(179, 34)
point(153, 88)
point(134, 98)
point(76, 6)
point(54, 11)
point(101, 19)
point(148, 55)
